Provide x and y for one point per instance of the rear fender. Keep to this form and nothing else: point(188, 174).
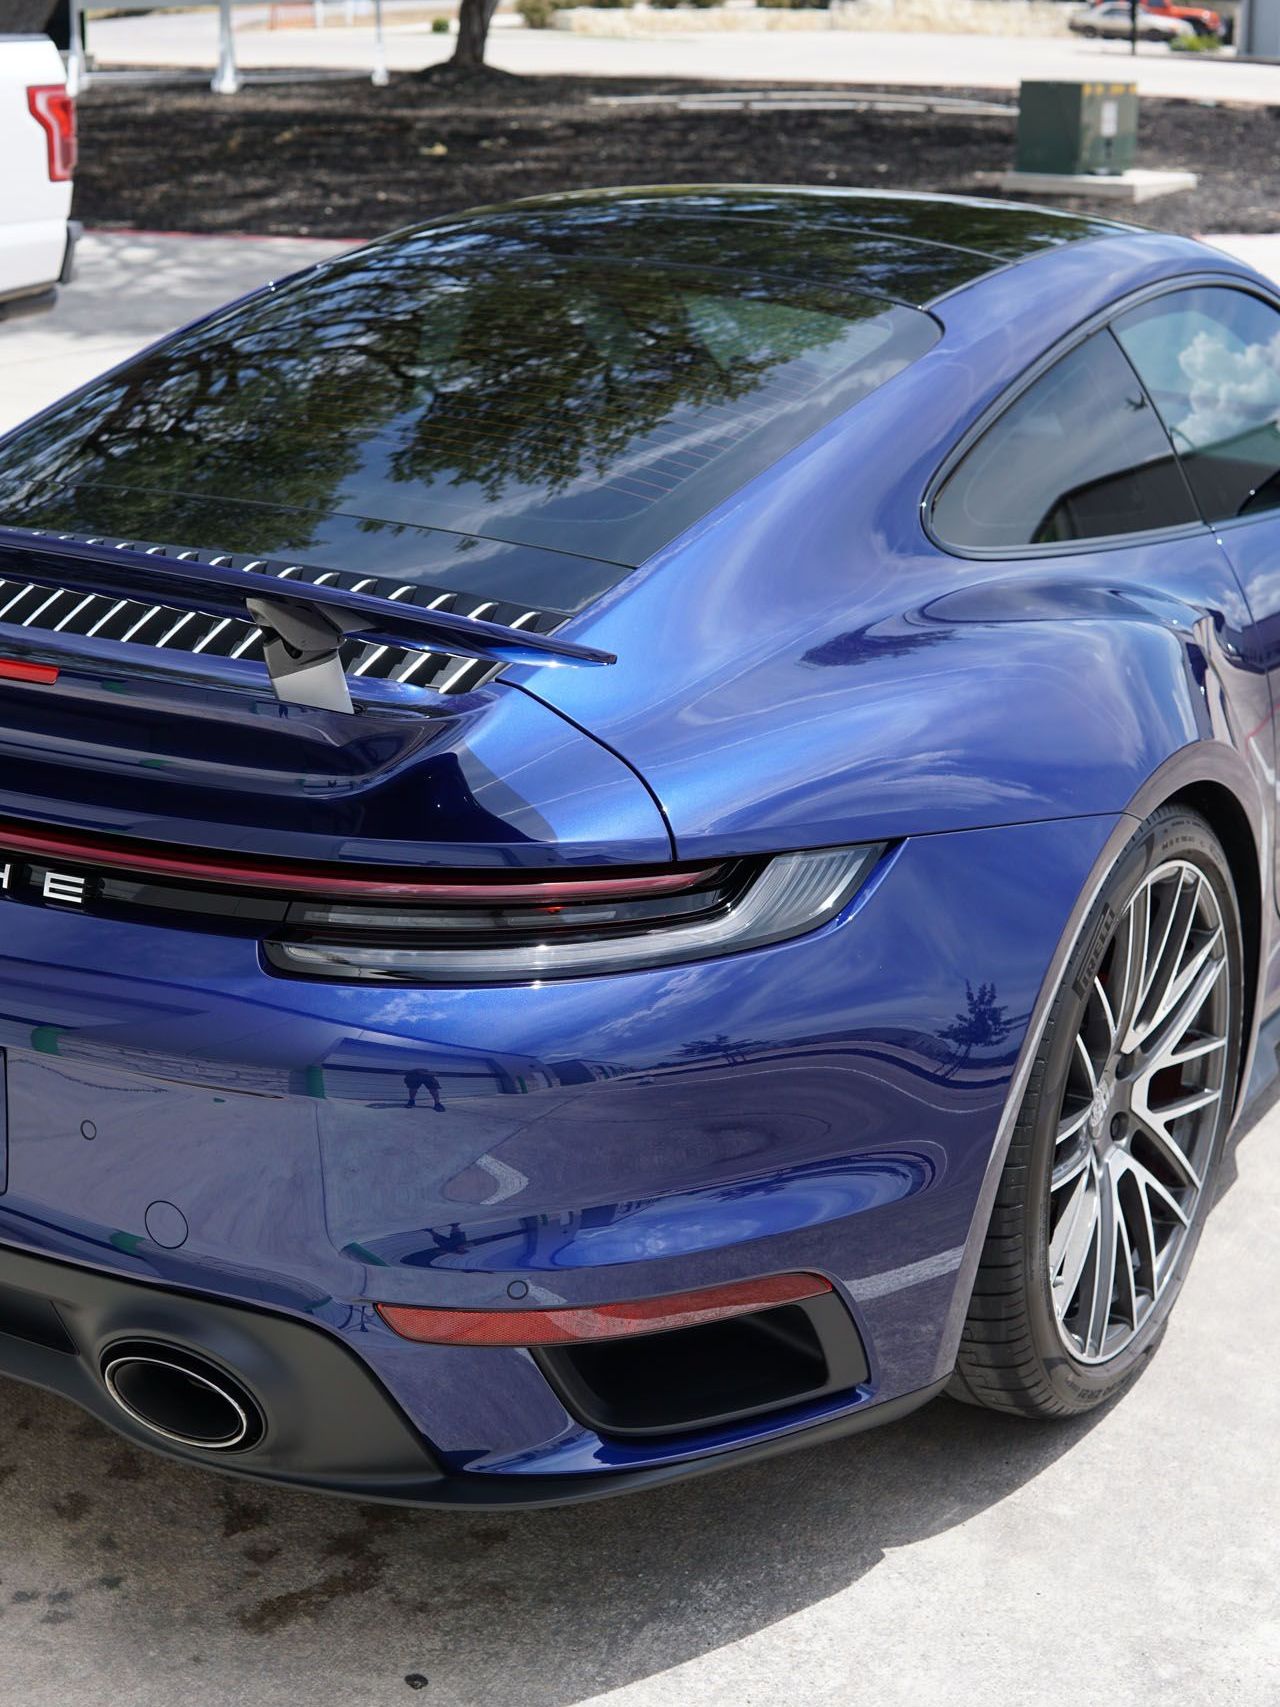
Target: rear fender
point(1191, 769)
point(1007, 704)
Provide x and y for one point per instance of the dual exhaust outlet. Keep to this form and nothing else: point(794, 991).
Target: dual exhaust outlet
point(181, 1396)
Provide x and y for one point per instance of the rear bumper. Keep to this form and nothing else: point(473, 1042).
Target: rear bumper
point(35, 256)
point(330, 1425)
point(75, 231)
point(220, 1140)
point(38, 297)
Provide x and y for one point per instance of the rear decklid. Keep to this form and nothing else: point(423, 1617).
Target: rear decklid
point(364, 492)
point(280, 560)
point(106, 728)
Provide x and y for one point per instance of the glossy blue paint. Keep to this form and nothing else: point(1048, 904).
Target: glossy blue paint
point(491, 778)
point(827, 1103)
point(868, 704)
point(803, 667)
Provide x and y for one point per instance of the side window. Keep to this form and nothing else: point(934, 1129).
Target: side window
point(1078, 456)
point(1210, 357)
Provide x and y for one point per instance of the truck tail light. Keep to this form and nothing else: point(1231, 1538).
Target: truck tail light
point(55, 112)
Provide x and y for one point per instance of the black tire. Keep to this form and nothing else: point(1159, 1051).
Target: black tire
point(1089, 32)
point(1014, 1354)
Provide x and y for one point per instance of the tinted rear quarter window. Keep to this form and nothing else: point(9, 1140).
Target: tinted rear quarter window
point(1210, 357)
point(1079, 455)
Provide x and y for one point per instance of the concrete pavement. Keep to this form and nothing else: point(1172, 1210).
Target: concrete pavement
point(862, 57)
point(1129, 1559)
point(956, 1558)
point(1259, 252)
point(131, 288)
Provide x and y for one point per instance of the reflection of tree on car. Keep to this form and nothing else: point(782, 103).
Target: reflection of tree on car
point(606, 362)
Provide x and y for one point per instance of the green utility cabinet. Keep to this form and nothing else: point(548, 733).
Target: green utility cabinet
point(1077, 127)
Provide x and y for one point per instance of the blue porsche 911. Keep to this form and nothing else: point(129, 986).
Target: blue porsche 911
point(636, 829)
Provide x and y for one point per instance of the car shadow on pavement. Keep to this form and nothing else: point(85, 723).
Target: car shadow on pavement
point(187, 1575)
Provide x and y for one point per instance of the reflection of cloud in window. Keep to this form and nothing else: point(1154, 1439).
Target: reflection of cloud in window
point(1230, 391)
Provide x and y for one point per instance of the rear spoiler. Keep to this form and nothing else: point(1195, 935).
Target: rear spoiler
point(304, 624)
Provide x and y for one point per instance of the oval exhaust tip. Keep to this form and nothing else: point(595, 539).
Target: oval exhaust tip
point(181, 1396)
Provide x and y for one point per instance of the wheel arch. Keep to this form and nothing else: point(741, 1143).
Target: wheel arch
point(1229, 821)
point(1214, 780)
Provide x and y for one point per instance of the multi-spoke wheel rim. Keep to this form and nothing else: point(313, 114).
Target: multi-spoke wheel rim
point(1140, 1111)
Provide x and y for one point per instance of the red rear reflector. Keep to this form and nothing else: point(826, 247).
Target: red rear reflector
point(55, 112)
point(575, 1323)
point(16, 670)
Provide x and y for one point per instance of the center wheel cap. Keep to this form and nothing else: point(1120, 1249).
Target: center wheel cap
point(1100, 1106)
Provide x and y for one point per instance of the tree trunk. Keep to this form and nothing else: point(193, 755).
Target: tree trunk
point(474, 17)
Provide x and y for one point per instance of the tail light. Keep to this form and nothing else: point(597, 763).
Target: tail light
point(567, 928)
point(22, 670)
point(574, 1324)
point(357, 923)
point(54, 110)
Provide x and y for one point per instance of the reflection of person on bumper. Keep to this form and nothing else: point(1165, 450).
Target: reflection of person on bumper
point(420, 1080)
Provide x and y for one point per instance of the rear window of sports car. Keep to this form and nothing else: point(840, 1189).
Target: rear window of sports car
point(469, 381)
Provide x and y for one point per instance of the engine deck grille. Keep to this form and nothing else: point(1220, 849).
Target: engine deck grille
point(163, 628)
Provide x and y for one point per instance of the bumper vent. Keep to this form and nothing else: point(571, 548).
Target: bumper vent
point(160, 628)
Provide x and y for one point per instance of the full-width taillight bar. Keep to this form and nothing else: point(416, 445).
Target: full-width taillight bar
point(301, 878)
point(574, 1324)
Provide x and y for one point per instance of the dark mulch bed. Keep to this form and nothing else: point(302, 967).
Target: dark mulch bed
point(343, 158)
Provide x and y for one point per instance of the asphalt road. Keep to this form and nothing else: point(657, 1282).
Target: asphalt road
point(1129, 1560)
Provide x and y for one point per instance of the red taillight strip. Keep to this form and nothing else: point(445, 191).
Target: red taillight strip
point(18, 670)
point(574, 1324)
point(321, 880)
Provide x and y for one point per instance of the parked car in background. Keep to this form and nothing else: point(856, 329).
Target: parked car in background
point(1203, 19)
point(1114, 19)
point(38, 148)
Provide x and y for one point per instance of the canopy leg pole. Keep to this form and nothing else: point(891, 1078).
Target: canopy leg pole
point(77, 70)
point(226, 80)
point(380, 76)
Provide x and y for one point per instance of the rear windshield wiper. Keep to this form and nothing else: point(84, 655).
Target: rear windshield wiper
point(304, 625)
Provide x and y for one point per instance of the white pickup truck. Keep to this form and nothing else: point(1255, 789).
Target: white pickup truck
point(37, 159)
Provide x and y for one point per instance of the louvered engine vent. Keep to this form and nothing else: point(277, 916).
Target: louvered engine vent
point(159, 627)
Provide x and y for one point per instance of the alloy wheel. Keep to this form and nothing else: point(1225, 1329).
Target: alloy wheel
point(1141, 1109)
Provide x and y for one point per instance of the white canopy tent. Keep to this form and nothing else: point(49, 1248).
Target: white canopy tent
point(226, 79)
